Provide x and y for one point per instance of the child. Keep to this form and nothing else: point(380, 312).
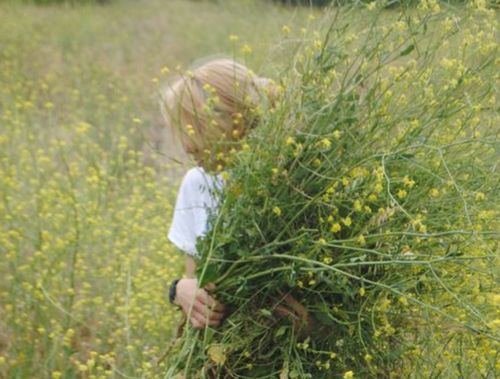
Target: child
point(210, 109)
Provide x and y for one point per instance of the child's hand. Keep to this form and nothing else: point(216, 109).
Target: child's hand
point(206, 310)
point(301, 319)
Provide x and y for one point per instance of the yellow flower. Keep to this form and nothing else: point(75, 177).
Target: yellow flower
point(422, 228)
point(361, 240)
point(246, 49)
point(480, 196)
point(190, 130)
point(82, 128)
point(337, 134)
point(217, 354)
point(327, 260)
point(408, 182)
point(164, 70)
point(225, 175)
point(434, 192)
point(357, 205)
point(285, 29)
point(402, 193)
point(277, 211)
point(233, 38)
point(290, 141)
point(362, 291)
point(347, 221)
point(336, 228)
point(495, 324)
point(371, 6)
point(348, 375)
point(325, 143)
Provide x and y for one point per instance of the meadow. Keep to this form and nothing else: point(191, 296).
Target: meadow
point(88, 178)
point(88, 175)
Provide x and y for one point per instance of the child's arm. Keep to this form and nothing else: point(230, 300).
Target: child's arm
point(205, 309)
point(301, 319)
point(190, 266)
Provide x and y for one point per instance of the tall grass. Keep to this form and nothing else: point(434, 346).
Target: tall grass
point(87, 182)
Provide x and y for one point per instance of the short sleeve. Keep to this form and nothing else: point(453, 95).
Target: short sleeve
point(195, 199)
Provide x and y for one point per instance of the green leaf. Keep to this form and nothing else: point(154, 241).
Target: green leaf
point(265, 312)
point(210, 275)
point(408, 50)
point(281, 330)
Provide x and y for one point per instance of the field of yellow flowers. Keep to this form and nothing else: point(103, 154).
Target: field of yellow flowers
point(86, 183)
point(87, 180)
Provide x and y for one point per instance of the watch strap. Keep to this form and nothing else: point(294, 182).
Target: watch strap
point(173, 291)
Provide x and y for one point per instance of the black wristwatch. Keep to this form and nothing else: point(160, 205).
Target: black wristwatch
point(172, 291)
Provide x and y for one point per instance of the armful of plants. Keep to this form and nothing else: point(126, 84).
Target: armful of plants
point(301, 319)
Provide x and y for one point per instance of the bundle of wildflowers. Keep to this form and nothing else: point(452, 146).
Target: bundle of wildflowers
point(367, 193)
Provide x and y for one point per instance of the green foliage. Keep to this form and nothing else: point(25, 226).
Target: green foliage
point(367, 194)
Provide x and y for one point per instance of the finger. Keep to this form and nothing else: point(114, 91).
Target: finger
point(204, 310)
point(200, 321)
point(296, 306)
point(217, 316)
point(209, 313)
point(219, 307)
point(283, 311)
point(196, 321)
point(205, 298)
point(210, 286)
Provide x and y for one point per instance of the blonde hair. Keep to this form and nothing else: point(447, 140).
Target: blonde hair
point(214, 103)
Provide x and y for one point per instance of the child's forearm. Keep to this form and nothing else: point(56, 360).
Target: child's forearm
point(190, 266)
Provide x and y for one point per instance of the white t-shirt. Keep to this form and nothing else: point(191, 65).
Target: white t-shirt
point(195, 199)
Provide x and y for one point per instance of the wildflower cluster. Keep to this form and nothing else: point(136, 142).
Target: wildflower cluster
point(83, 225)
point(368, 194)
